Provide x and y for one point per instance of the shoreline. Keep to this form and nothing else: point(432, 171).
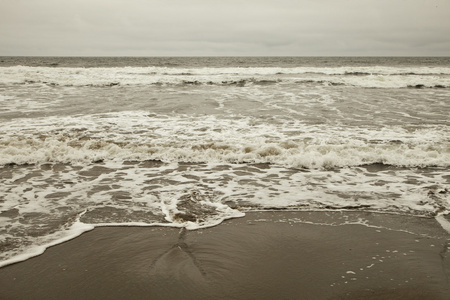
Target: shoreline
point(264, 255)
point(80, 228)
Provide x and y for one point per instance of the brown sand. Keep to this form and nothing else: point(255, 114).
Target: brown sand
point(260, 256)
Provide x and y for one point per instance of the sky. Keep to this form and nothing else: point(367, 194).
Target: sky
point(225, 27)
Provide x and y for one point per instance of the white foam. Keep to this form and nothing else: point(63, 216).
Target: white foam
point(204, 193)
point(384, 77)
point(48, 241)
point(395, 81)
point(79, 228)
point(215, 214)
point(203, 211)
point(112, 137)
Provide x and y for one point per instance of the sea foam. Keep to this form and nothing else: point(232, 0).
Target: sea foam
point(370, 77)
point(138, 136)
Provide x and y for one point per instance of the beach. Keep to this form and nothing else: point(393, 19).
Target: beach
point(224, 177)
point(264, 255)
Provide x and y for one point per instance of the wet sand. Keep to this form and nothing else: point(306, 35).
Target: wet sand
point(265, 255)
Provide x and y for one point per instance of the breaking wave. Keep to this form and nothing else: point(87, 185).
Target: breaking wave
point(138, 136)
point(371, 77)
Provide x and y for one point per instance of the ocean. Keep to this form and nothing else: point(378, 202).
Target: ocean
point(192, 141)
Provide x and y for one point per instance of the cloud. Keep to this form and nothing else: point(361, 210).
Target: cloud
point(213, 27)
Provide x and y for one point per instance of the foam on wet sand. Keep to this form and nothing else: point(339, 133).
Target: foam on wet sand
point(265, 255)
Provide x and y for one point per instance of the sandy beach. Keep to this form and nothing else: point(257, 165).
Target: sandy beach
point(265, 255)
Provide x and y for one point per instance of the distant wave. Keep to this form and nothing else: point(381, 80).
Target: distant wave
point(252, 81)
point(376, 77)
point(348, 70)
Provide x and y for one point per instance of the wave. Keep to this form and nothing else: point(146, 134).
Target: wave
point(137, 136)
point(376, 77)
point(297, 155)
point(377, 83)
point(375, 70)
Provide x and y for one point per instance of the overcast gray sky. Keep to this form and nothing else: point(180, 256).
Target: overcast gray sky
point(225, 27)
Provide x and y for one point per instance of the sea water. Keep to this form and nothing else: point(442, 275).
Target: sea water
point(189, 142)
